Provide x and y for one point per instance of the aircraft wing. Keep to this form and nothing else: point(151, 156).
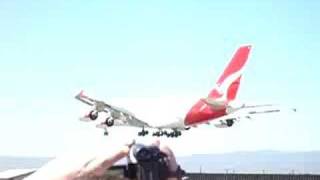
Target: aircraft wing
point(90, 101)
point(128, 121)
point(265, 108)
point(245, 112)
point(116, 116)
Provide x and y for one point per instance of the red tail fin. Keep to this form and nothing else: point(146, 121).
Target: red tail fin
point(228, 84)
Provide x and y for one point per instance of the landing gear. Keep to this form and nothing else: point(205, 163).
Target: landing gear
point(104, 127)
point(106, 133)
point(93, 115)
point(179, 133)
point(143, 132)
point(175, 133)
point(156, 133)
point(230, 122)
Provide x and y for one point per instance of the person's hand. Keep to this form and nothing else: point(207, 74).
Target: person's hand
point(170, 159)
point(92, 165)
point(80, 167)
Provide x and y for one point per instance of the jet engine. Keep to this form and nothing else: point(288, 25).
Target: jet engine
point(109, 121)
point(93, 115)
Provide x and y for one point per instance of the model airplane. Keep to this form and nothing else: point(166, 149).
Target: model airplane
point(218, 107)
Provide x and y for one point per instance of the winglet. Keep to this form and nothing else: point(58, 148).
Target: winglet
point(81, 94)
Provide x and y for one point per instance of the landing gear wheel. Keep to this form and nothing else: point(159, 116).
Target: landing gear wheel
point(169, 135)
point(161, 133)
point(106, 133)
point(179, 133)
point(93, 115)
point(229, 122)
point(176, 134)
point(165, 133)
point(143, 133)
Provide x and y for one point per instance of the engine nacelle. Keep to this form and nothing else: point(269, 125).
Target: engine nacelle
point(85, 118)
point(109, 121)
point(93, 115)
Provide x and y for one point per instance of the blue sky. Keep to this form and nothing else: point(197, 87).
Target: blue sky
point(150, 49)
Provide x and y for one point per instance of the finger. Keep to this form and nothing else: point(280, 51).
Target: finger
point(130, 143)
point(156, 143)
point(166, 150)
point(171, 160)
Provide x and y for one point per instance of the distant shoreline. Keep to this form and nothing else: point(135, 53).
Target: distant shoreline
point(261, 162)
